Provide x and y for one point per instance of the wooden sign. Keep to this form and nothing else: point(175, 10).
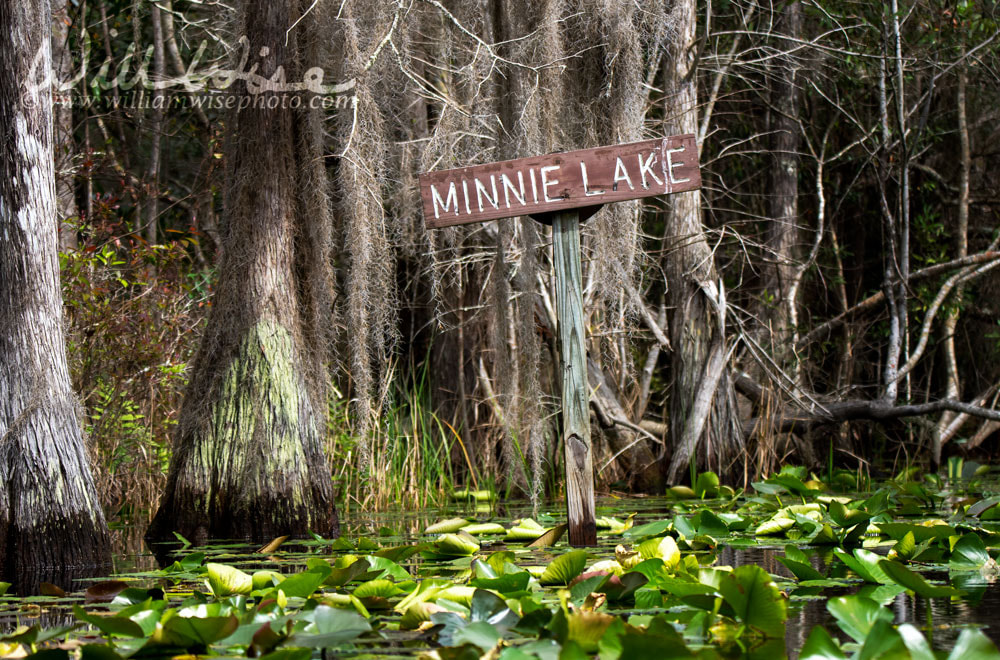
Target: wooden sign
point(564, 188)
point(561, 181)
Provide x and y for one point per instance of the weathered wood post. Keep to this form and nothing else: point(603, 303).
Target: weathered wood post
point(564, 189)
point(575, 388)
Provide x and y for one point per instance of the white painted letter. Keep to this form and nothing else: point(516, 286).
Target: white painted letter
point(671, 165)
point(646, 167)
point(621, 174)
point(508, 188)
point(444, 204)
point(481, 192)
point(546, 183)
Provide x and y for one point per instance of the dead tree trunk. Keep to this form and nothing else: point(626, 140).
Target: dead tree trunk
point(702, 408)
point(248, 458)
point(50, 516)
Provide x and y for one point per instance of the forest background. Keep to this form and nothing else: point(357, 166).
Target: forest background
point(829, 298)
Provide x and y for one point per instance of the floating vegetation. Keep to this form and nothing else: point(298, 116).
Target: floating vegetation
point(661, 584)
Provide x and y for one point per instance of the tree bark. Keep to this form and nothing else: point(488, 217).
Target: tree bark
point(783, 235)
point(248, 458)
point(62, 69)
point(50, 517)
point(691, 272)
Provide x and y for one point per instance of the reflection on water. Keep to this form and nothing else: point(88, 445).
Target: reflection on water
point(941, 619)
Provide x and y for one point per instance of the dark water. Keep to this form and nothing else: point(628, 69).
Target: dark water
point(941, 620)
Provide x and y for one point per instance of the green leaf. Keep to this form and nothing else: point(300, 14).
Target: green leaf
point(550, 537)
point(707, 485)
point(330, 626)
point(755, 599)
point(914, 582)
point(226, 580)
point(564, 568)
point(820, 646)
point(905, 547)
point(453, 545)
point(916, 643)
point(447, 526)
point(774, 526)
point(969, 554)
point(194, 631)
point(479, 529)
point(303, 585)
point(4, 586)
point(856, 615)
point(974, 644)
point(865, 564)
point(109, 625)
point(801, 570)
point(883, 642)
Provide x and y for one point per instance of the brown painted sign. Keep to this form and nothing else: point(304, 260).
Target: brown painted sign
point(557, 182)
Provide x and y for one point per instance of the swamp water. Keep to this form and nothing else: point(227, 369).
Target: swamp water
point(388, 588)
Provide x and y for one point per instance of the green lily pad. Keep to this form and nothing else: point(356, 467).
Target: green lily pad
point(914, 582)
point(755, 599)
point(564, 568)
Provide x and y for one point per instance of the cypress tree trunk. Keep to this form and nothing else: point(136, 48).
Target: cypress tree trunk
point(248, 458)
point(702, 405)
point(784, 236)
point(51, 522)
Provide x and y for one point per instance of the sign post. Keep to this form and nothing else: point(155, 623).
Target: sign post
point(565, 189)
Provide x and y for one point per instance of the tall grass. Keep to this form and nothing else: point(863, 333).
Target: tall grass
point(410, 457)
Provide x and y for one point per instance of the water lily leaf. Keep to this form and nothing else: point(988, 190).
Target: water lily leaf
point(845, 517)
point(506, 584)
point(982, 505)
point(856, 615)
point(756, 600)
point(915, 643)
point(109, 625)
point(665, 549)
point(4, 586)
point(272, 546)
point(774, 526)
point(708, 523)
point(454, 545)
point(974, 644)
point(525, 530)
point(194, 631)
point(480, 529)
point(267, 579)
point(226, 580)
point(865, 564)
point(104, 592)
point(707, 485)
point(914, 582)
point(447, 526)
point(417, 614)
point(341, 576)
point(303, 585)
point(550, 537)
point(564, 568)
point(330, 626)
point(98, 652)
point(801, 570)
point(969, 554)
point(620, 588)
point(377, 589)
point(649, 529)
point(921, 533)
point(904, 547)
point(398, 553)
point(821, 646)
point(883, 641)
point(49, 589)
point(288, 654)
point(681, 493)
